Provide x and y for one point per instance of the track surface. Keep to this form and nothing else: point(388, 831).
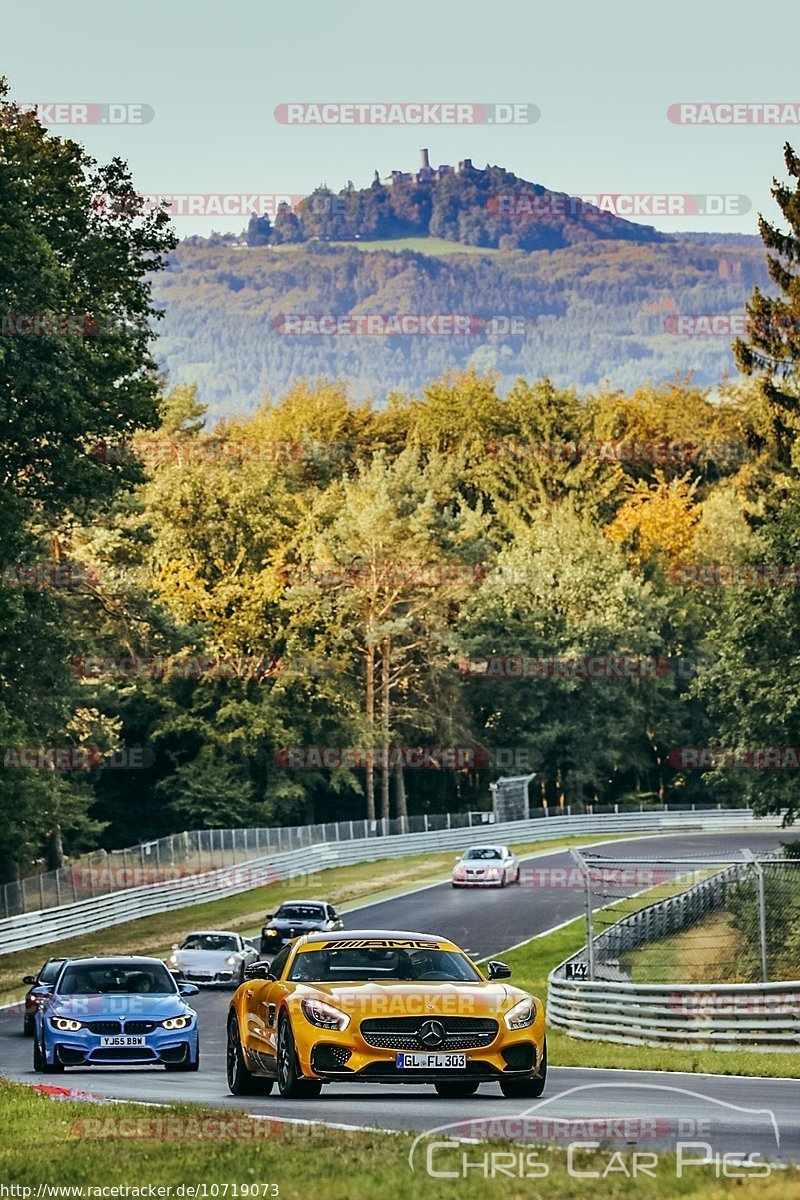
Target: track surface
point(484, 922)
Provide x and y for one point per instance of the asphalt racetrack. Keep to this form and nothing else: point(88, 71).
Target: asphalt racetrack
point(761, 1115)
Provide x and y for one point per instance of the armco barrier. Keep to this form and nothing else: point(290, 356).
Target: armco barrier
point(757, 1016)
point(71, 920)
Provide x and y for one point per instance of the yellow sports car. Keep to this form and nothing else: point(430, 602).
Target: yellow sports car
point(382, 1007)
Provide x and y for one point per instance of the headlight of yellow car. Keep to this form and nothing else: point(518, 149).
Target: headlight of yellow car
point(521, 1015)
point(66, 1024)
point(323, 1015)
point(176, 1023)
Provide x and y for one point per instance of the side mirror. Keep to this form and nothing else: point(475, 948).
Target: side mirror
point(188, 989)
point(30, 979)
point(258, 970)
point(268, 917)
point(497, 970)
point(175, 946)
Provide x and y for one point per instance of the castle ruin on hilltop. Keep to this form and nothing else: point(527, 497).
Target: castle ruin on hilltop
point(425, 174)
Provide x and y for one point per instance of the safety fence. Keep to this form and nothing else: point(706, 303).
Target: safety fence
point(697, 965)
point(190, 887)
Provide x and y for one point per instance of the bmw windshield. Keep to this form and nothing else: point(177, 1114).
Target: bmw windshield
point(104, 978)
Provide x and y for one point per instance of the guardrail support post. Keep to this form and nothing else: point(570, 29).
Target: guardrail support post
point(581, 861)
point(762, 912)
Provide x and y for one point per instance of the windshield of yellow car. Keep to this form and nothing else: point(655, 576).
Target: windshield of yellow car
point(365, 964)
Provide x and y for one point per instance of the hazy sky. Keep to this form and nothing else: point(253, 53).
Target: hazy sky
point(603, 76)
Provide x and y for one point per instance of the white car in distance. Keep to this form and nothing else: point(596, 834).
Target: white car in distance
point(486, 866)
point(212, 956)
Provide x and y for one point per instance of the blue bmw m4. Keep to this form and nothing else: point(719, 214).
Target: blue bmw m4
point(115, 1012)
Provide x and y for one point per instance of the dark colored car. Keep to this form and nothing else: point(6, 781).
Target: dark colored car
point(48, 973)
point(296, 917)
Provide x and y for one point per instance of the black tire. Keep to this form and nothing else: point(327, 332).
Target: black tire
point(532, 1087)
point(187, 1065)
point(241, 1081)
point(290, 1085)
point(28, 1026)
point(41, 1064)
point(460, 1087)
point(504, 880)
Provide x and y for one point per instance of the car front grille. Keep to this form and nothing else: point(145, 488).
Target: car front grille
point(123, 1054)
point(402, 1033)
point(140, 1026)
point(104, 1026)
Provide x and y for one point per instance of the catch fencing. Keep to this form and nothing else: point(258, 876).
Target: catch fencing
point(192, 887)
point(697, 965)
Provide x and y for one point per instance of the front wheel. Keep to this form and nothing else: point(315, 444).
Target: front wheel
point(463, 1087)
point(241, 1082)
point(527, 1087)
point(290, 1085)
point(40, 1062)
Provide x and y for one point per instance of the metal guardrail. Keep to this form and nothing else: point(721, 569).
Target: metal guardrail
point(101, 872)
point(71, 920)
point(756, 1016)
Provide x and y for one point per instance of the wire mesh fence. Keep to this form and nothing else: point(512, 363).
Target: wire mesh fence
point(733, 919)
point(192, 852)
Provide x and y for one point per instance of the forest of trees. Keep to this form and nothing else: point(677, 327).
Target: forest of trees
point(588, 314)
point(331, 572)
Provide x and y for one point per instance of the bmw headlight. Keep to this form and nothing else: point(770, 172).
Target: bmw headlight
point(270, 932)
point(176, 1022)
point(323, 1015)
point(521, 1015)
point(492, 873)
point(66, 1024)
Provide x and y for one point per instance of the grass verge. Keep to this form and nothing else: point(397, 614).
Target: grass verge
point(71, 1144)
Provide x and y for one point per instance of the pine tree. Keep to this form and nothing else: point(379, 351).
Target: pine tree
point(772, 349)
